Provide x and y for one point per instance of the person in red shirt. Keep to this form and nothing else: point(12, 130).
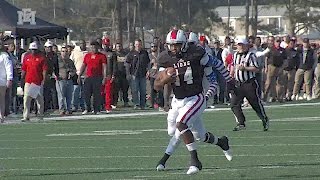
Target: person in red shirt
point(34, 69)
point(95, 65)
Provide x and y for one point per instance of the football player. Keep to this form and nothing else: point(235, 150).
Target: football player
point(182, 68)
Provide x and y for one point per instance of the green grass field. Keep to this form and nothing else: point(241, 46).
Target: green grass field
point(129, 148)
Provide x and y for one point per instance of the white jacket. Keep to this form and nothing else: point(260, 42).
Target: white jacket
point(6, 69)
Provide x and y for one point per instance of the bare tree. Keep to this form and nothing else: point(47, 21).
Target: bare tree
point(228, 18)
point(156, 14)
point(134, 23)
point(141, 22)
point(189, 13)
point(247, 18)
point(128, 21)
point(254, 24)
point(118, 21)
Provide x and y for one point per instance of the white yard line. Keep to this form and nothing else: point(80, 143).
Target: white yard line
point(136, 138)
point(124, 114)
point(110, 157)
point(207, 169)
point(160, 146)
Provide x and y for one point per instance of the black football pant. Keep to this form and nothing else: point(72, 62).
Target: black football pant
point(249, 90)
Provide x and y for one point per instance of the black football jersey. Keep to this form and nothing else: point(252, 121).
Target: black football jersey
point(188, 69)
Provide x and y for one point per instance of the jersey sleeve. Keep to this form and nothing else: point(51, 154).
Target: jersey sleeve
point(211, 77)
point(217, 64)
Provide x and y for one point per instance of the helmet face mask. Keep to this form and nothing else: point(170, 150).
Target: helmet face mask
point(176, 38)
point(175, 48)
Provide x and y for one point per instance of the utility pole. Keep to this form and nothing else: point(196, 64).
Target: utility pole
point(228, 32)
point(54, 9)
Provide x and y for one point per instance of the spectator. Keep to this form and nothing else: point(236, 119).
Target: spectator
point(69, 49)
point(226, 50)
point(111, 69)
point(317, 79)
point(136, 70)
point(273, 70)
point(55, 49)
point(254, 47)
point(289, 69)
point(95, 65)
point(159, 44)
point(64, 83)
point(156, 97)
point(49, 88)
point(12, 91)
point(77, 56)
point(34, 70)
point(121, 84)
point(306, 66)
point(6, 76)
point(131, 46)
point(217, 51)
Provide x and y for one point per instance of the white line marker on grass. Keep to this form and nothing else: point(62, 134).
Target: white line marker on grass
point(109, 157)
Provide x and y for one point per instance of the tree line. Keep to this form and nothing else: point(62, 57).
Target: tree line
point(126, 20)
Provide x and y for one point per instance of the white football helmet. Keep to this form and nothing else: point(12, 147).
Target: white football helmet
point(193, 38)
point(177, 37)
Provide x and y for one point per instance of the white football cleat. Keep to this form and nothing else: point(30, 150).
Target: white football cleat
point(228, 154)
point(160, 167)
point(192, 170)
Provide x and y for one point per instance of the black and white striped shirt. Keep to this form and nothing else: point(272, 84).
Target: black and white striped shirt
point(248, 59)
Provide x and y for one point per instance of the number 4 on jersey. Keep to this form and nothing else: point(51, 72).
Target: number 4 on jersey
point(188, 78)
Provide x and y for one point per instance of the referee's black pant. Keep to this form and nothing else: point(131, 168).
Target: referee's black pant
point(249, 90)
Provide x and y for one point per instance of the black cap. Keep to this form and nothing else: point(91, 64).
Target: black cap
point(94, 43)
point(305, 40)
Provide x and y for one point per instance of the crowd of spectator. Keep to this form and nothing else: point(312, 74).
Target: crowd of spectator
point(96, 79)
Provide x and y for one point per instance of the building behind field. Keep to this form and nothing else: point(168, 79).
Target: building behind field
point(272, 20)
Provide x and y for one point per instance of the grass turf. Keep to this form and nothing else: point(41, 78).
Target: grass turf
point(129, 148)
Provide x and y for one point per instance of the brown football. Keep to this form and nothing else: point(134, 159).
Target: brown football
point(168, 75)
point(171, 71)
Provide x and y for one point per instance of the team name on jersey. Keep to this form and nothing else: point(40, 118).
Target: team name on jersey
point(181, 63)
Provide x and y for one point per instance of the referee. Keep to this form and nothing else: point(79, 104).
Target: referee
point(245, 68)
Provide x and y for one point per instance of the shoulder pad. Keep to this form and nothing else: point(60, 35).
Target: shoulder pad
point(196, 51)
point(164, 59)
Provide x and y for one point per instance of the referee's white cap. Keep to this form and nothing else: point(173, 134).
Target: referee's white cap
point(241, 41)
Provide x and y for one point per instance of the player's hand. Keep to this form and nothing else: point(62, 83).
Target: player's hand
point(169, 75)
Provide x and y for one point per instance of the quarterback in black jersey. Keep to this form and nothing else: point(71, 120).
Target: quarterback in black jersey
point(185, 116)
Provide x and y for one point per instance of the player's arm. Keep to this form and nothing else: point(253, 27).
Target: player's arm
point(167, 90)
point(212, 79)
point(212, 61)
